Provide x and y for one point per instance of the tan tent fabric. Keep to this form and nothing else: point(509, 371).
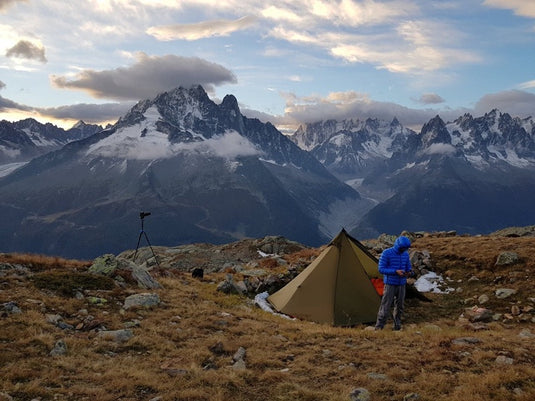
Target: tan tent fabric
point(335, 288)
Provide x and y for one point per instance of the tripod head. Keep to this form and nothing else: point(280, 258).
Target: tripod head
point(142, 215)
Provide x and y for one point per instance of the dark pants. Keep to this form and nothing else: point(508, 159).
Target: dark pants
point(393, 294)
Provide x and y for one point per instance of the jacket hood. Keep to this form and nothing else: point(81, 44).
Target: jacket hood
point(402, 242)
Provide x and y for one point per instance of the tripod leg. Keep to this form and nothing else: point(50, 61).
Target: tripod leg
point(137, 246)
point(153, 254)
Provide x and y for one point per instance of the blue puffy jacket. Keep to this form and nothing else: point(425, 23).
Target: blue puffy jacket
point(395, 258)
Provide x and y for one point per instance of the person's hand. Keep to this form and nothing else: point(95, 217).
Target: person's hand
point(400, 272)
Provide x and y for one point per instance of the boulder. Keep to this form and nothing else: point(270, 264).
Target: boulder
point(477, 314)
point(118, 336)
point(106, 264)
point(359, 394)
point(122, 269)
point(507, 258)
point(60, 348)
point(145, 300)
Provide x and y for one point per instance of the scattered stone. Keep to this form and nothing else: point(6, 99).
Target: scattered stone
point(359, 394)
point(5, 397)
point(10, 308)
point(432, 327)
point(507, 258)
point(466, 341)
point(527, 334)
point(503, 293)
point(483, 299)
point(377, 376)
point(144, 300)
point(411, 397)
point(515, 310)
point(60, 348)
point(504, 360)
point(240, 354)
point(97, 300)
point(118, 336)
point(477, 314)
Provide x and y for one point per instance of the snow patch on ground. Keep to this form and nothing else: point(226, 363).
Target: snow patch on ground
point(261, 301)
point(432, 282)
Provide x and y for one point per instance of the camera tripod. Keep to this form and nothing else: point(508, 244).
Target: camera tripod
point(142, 216)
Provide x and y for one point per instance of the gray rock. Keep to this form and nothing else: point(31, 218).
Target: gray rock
point(239, 355)
point(239, 365)
point(105, 264)
point(507, 258)
point(144, 300)
point(10, 307)
point(477, 314)
point(377, 376)
point(504, 360)
point(411, 397)
point(359, 394)
point(118, 336)
point(144, 279)
point(466, 341)
point(483, 299)
point(60, 348)
point(503, 293)
point(527, 334)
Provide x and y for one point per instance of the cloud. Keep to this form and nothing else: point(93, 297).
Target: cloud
point(441, 149)
point(523, 8)
point(6, 104)
point(414, 47)
point(89, 113)
point(147, 77)
point(527, 85)
point(515, 102)
point(4, 4)
point(205, 29)
point(430, 98)
point(28, 50)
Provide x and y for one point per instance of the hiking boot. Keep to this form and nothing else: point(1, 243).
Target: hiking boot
point(397, 328)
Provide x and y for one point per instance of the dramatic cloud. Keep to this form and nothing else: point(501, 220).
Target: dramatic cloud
point(430, 98)
point(347, 105)
point(4, 4)
point(200, 30)
point(90, 113)
point(149, 76)
point(414, 47)
point(6, 104)
point(524, 8)
point(515, 102)
point(28, 50)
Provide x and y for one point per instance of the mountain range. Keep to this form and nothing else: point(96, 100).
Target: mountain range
point(204, 171)
point(473, 175)
point(207, 173)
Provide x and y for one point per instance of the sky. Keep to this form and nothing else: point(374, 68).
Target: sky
point(286, 61)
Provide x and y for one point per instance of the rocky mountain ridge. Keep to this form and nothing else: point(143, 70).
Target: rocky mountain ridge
point(23, 140)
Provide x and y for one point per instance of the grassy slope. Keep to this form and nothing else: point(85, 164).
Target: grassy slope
point(182, 350)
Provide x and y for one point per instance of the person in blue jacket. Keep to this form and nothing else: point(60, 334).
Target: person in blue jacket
point(395, 266)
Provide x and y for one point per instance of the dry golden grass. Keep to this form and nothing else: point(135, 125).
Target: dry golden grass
point(182, 349)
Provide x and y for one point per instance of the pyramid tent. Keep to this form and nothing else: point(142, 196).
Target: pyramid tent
point(336, 288)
